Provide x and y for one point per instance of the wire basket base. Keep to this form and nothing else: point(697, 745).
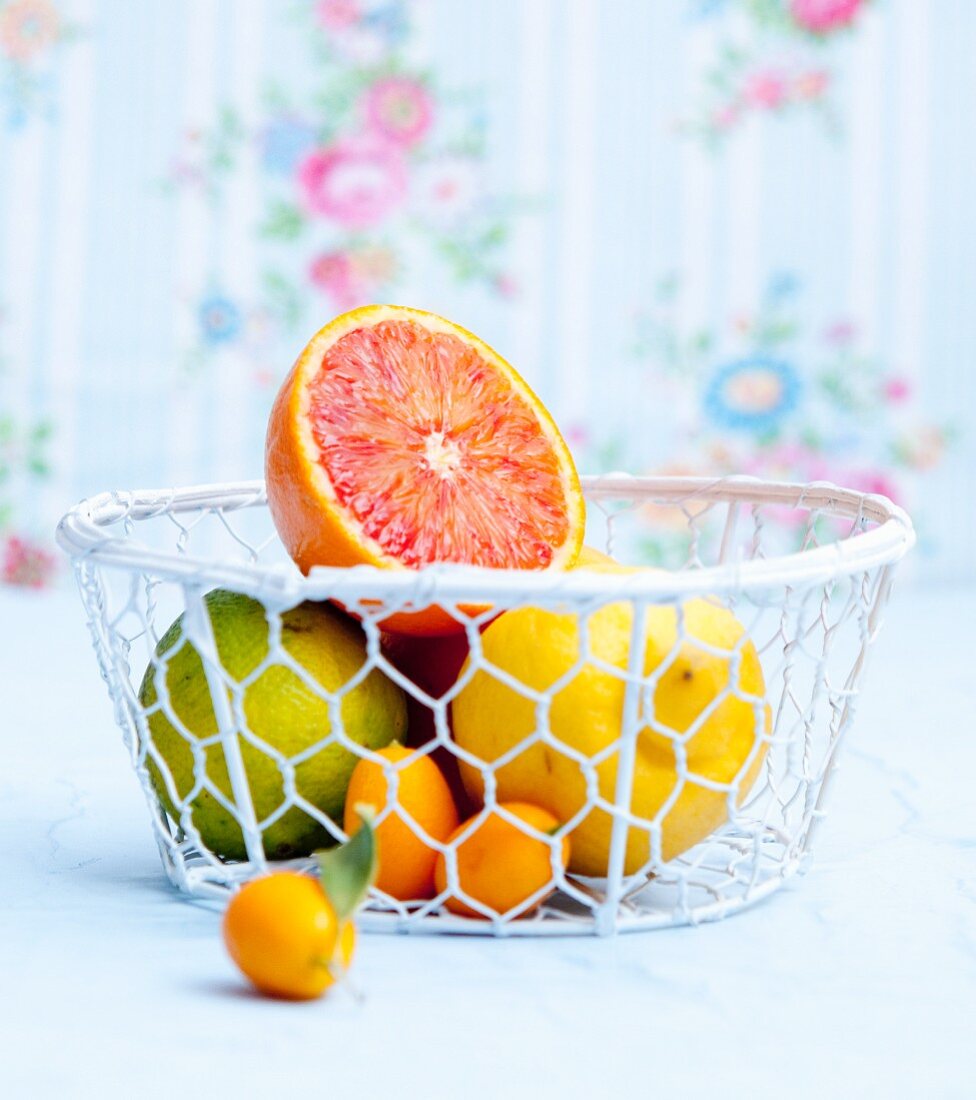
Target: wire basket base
point(702, 890)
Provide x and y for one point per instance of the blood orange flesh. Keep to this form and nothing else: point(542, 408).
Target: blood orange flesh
point(436, 455)
point(399, 439)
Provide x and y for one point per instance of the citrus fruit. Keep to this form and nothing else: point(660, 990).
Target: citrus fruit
point(400, 439)
point(590, 557)
point(283, 934)
point(279, 708)
point(406, 861)
point(433, 664)
point(539, 647)
point(597, 562)
point(501, 866)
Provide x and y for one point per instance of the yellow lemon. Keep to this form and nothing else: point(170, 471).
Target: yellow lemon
point(591, 558)
point(693, 695)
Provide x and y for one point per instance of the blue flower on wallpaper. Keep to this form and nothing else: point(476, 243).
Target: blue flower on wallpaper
point(752, 394)
point(284, 143)
point(31, 34)
point(782, 285)
point(390, 22)
point(220, 319)
point(25, 98)
point(707, 9)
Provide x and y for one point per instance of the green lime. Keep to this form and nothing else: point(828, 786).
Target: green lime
point(281, 712)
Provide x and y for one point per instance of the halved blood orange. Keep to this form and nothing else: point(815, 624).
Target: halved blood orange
point(400, 439)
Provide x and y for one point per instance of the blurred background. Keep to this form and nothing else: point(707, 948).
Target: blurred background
point(715, 235)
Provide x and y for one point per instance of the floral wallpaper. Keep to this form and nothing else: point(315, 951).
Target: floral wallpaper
point(778, 58)
point(32, 36)
point(773, 395)
point(373, 160)
point(24, 560)
point(716, 235)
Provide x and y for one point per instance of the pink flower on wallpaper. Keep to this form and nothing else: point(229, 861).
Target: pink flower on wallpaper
point(825, 16)
point(506, 285)
point(811, 85)
point(27, 27)
point(332, 272)
point(786, 461)
point(372, 265)
point(25, 564)
point(447, 189)
point(767, 89)
point(355, 182)
point(577, 435)
point(841, 333)
point(726, 116)
point(399, 109)
point(897, 389)
point(868, 481)
point(923, 447)
point(336, 15)
point(790, 460)
point(351, 277)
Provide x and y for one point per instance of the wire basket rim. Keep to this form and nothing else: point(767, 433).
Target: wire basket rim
point(81, 535)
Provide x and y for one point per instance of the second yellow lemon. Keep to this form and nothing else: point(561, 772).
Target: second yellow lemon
point(694, 694)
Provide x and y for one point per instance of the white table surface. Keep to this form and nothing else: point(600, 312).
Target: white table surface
point(859, 977)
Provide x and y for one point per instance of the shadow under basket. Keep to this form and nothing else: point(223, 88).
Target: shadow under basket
point(803, 571)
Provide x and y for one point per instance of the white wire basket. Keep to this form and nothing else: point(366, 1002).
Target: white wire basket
point(804, 569)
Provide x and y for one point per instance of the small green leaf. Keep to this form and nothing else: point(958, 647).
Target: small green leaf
point(778, 332)
point(496, 234)
point(667, 288)
point(651, 551)
point(284, 221)
point(275, 99)
point(347, 872)
point(702, 341)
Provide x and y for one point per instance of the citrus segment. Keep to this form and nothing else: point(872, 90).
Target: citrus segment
point(399, 439)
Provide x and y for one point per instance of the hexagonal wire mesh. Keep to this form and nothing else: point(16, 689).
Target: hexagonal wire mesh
point(804, 570)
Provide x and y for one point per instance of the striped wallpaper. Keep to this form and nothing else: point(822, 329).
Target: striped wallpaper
point(147, 309)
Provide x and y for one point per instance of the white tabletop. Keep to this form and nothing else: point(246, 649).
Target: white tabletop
point(860, 976)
